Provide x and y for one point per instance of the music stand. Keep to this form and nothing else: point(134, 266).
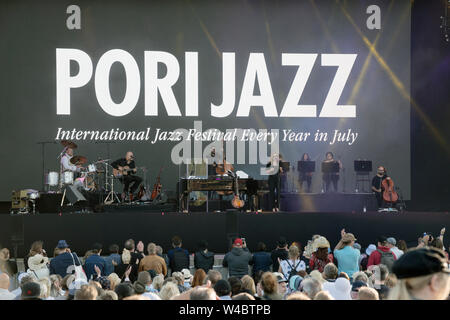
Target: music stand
point(330, 167)
point(362, 170)
point(306, 166)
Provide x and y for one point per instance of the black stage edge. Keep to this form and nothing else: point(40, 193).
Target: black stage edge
point(82, 230)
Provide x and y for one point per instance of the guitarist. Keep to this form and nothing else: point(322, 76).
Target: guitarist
point(125, 171)
point(377, 187)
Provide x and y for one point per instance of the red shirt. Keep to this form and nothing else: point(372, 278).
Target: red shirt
point(317, 264)
point(375, 257)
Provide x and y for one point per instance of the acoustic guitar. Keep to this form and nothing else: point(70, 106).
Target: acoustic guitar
point(123, 171)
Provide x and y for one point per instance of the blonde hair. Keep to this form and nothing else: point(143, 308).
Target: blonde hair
point(114, 279)
point(323, 295)
point(294, 252)
point(126, 256)
point(86, 292)
point(158, 282)
point(366, 293)
point(168, 291)
point(45, 287)
point(248, 284)
point(404, 287)
point(298, 296)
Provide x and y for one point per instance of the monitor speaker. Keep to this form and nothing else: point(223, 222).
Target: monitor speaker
point(73, 195)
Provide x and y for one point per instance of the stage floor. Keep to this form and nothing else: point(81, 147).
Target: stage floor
point(82, 230)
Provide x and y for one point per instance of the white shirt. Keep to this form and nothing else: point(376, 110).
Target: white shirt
point(40, 273)
point(65, 162)
point(151, 296)
point(398, 253)
point(287, 267)
point(6, 295)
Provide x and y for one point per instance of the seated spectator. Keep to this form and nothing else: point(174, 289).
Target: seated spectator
point(31, 291)
point(114, 280)
point(200, 293)
point(95, 260)
point(341, 289)
point(347, 256)
point(153, 261)
point(243, 296)
point(168, 291)
point(38, 266)
point(62, 264)
point(262, 260)
point(295, 284)
point(187, 278)
point(108, 295)
point(383, 255)
point(280, 253)
point(235, 284)
point(203, 258)
point(282, 284)
point(213, 277)
point(124, 290)
point(298, 296)
point(104, 282)
point(248, 285)
point(269, 286)
point(7, 265)
point(391, 244)
point(291, 266)
point(330, 274)
point(315, 274)
point(364, 259)
point(56, 290)
point(320, 257)
point(157, 282)
point(238, 259)
point(311, 287)
point(4, 288)
point(179, 278)
point(323, 295)
point(199, 278)
point(113, 259)
point(86, 292)
point(355, 288)
point(223, 290)
point(423, 274)
point(45, 289)
point(178, 257)
point(366, 293)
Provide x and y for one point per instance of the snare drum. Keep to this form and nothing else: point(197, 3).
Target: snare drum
point(52, 179)
point(67, 177)
point(92, 168)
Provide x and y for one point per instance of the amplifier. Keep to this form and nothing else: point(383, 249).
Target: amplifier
point(19, 201)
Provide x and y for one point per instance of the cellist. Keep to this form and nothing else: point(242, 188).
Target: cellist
point(377, 186)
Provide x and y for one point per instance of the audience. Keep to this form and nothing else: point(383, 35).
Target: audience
point(417, 274)
point(280, 253)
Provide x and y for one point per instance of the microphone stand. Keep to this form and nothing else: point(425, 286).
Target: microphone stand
point(43, 143)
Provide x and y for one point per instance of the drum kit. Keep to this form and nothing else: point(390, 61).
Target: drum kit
point(88, 178)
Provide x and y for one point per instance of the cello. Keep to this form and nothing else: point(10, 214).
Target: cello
point(389, 194)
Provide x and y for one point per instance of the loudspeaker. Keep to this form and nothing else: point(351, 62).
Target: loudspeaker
point(73, 195)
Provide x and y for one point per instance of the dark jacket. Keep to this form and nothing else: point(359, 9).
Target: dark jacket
point(178, 259)
point(91, 262)
point(237, 261)
point(63, 264)
point(278, 253)
point(204, 260)
point(120, 269)
point(261, 261)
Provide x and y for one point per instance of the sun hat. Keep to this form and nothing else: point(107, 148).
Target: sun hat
point(186, 274)
point(340, 289)
point(320, 242)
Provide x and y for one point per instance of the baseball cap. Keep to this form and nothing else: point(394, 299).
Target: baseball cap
point(420, 262)
point(358, 284)
point(348, 237)
point(391, 241)
point(371, 248)
point(280, 277)
point(238, 242)
point(31, 290)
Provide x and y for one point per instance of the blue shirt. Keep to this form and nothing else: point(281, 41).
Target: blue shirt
point(63, 264)
point(91, 262)
point(109, 265)
point(262, 261)
point(348, 260)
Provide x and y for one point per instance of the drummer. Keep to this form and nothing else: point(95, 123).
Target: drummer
point(66, 164)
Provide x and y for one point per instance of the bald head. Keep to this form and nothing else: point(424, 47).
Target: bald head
point(4, 281)
point(129, 156)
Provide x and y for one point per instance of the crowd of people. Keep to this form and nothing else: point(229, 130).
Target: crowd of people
point(387, 270)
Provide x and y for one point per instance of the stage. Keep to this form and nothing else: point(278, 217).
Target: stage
point(115, 226)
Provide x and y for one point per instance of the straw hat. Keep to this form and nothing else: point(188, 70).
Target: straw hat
point(321, 242)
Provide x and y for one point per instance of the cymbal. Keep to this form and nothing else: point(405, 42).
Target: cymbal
point(78, 160)
point(69, 144)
